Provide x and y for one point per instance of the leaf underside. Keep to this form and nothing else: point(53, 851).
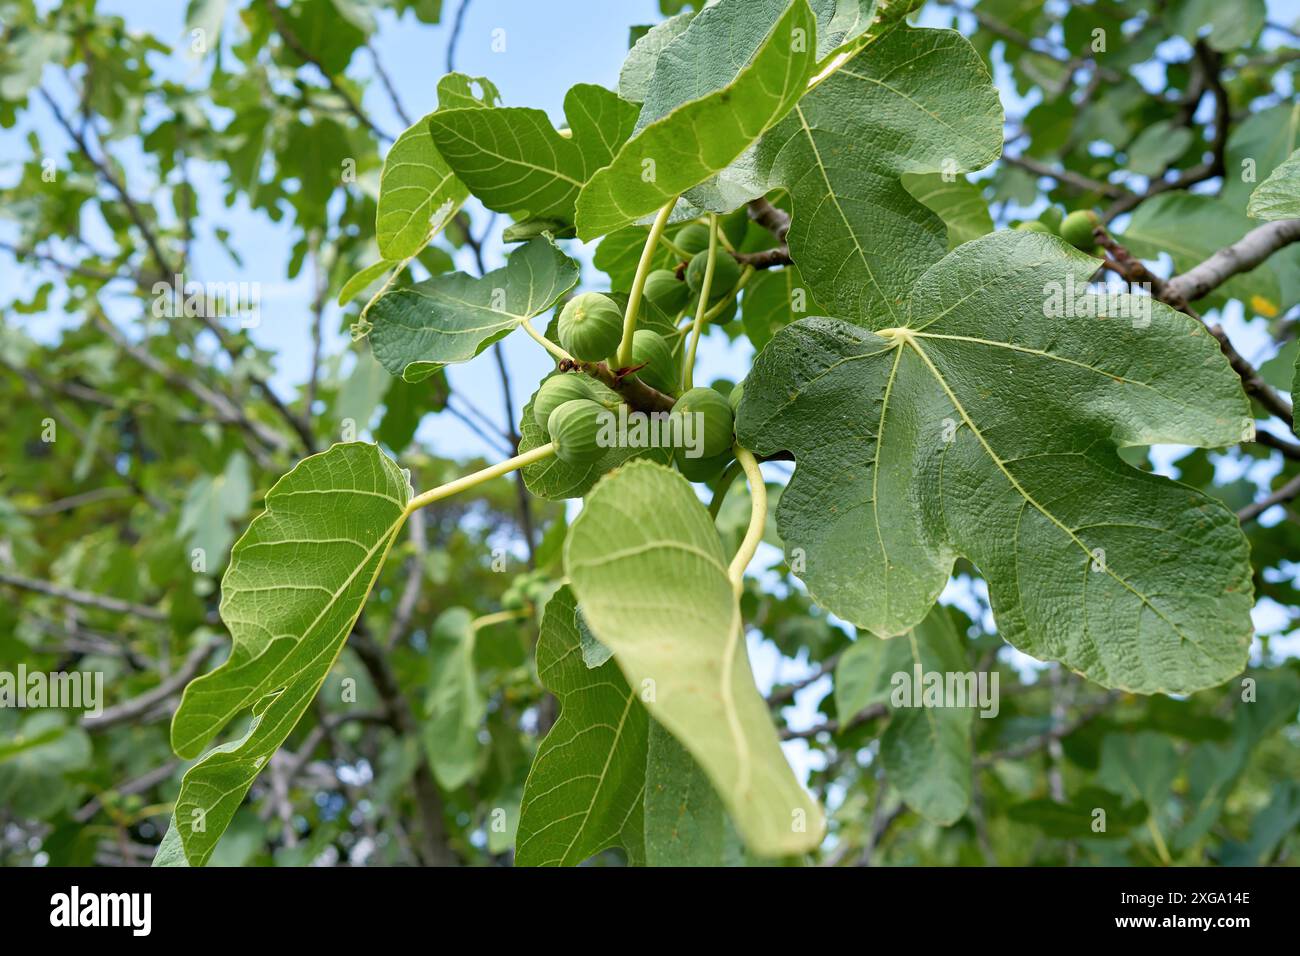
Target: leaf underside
point(584, 790)
point(296, 583)
point(646, 564)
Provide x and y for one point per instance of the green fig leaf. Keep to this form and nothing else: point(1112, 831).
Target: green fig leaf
point(987, 425)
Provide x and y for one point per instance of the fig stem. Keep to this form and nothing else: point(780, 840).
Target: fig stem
point(544, 342)
point(757, 518)
point(702, 307)
point(638, 282)
point(478, 477)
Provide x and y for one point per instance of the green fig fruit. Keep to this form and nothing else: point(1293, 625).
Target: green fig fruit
point(735, 225)
point(652, 351)
point(711, 426)
point(574, 427)
point(726, 273)
point(1076, 229)
point(664, 289)
point(734, 396)
point(557, 390)
point(702, 469)
point(692, 238)
point(727, 314)
point(1033, 225)
point(591, 326)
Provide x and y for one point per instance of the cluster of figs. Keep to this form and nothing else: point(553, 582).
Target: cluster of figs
point(570, 407)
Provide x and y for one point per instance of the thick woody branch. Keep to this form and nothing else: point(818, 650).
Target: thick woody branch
point(774, 220)
point(1242, 256)
point(767, 259)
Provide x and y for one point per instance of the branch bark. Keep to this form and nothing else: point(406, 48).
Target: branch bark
point(1242, 256)
point(1287, 492)
point(138, 706)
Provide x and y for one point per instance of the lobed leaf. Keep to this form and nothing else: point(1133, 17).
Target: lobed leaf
point(418, 190)
point(913, 101)
point(453, 317)
point(516, 162)
point(986, 425)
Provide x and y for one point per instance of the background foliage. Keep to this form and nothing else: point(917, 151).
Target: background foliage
point(170, 432)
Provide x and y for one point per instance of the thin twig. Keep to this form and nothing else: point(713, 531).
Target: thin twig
point(1287, 492)
point(293, 43)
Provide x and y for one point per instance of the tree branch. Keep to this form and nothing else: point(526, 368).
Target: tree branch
point(293, 43)
point(138, 706)
point(101, 601)
point(1066, 176)
point(1042, 741)
point(1242, 256)
point(1287, 492)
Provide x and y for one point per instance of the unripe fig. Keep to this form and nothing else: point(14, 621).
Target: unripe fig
point(726, 272)
point(735, 225)
point(1076, 229)
point(693, 238)
point(557, 390)
point(727, 314)
point(651, 350)
point(664, 289)
point(713, 420)
point(734, 396)
point(1033, 225)
point(573, 428)
point(701, 469)
point(591, 326)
